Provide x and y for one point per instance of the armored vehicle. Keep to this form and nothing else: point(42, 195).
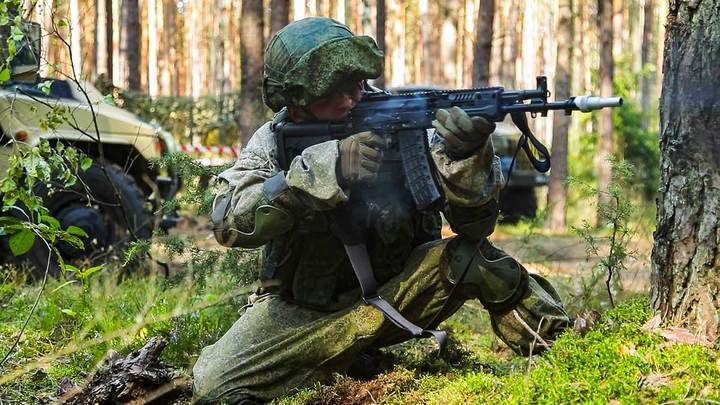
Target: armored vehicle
point(114, 200)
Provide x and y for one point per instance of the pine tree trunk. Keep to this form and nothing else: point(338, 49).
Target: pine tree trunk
point(131, 42)
point(279, 15)
point(380, 38)
point(605, 120)
point(557, 189)
point(152, 55)
point(648, 24)
point(104, 40)
point(251, 54)
point(75, 36)
point(483, 43)
point(685, 283)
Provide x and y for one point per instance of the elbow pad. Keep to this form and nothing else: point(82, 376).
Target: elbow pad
point(269, 221)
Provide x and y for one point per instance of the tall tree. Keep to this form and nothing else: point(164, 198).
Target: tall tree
point(605, 121)
point(557, 189)
point(279, 15)
point(483, 43)
point(75, 36)
point(685, 283)
point(251, 54)
point(131, 43)
point(103, 40)
point(648, 24)
point(152, 55)
point(380, 36)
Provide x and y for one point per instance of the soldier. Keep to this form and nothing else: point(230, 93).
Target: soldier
point(308, 320)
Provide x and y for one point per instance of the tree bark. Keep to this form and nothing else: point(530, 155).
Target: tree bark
point(648, 25)
point(131, 43)
point(380, 37)
point(152, 55)
point(251, 54)
point(605, 121)
point(104, 42)
point(483, 43)
point(138, 378)
point(685, 283)
point(279, 15)
point(557, 189)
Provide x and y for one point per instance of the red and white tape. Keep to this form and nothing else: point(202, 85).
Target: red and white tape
point(219, 150)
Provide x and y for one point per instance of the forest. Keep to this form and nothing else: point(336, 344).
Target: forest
point(126, 127)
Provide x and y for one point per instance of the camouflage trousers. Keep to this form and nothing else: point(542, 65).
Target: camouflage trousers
point(277, 347)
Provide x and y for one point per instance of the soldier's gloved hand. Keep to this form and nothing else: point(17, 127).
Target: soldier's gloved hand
point(360, 156)
point(461, 134)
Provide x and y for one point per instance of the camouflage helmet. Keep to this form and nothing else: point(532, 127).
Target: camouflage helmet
point(306, 59)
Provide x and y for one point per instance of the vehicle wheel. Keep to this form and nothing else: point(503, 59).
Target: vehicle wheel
point(518, 202)
point(93, 205)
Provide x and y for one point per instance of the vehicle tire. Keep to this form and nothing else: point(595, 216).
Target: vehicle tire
point(517, 203)
point(93, 205)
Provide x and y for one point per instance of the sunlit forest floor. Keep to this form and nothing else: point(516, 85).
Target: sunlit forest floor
point(624, 358)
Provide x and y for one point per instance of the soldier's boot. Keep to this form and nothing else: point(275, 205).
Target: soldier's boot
point(525, 310)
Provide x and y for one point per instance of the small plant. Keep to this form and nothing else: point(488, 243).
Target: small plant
point(23, 216)
point(614, 215)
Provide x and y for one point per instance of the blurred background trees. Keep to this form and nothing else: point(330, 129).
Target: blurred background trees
point(195, 65)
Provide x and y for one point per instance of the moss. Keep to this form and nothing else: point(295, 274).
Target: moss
point(616, 360)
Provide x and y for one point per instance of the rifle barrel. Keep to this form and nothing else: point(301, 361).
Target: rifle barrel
point(590, 103)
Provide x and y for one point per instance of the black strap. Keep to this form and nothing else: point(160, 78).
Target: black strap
point(362, 267)
point(520, 121)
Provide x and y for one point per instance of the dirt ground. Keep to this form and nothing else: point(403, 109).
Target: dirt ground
point(559, 257)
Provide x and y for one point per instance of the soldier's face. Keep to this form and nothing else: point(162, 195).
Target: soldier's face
point(338, 104)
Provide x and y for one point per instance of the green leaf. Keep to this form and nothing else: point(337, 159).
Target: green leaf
point(21, 242)
point(4, 74)
point(51, 221)
point(70, 268)
point(7, 185)
point(68, 312)
point(45, 86)
point(91, 270)
point(109, 99)
point(63, 285)
point(74, 230)
point(86, 163)
point(73, 240)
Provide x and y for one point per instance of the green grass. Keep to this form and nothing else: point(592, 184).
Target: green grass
point(74, 326)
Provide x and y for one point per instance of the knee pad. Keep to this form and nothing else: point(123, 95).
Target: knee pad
point(488, 274)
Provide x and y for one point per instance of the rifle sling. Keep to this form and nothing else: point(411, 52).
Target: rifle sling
point(360, 261)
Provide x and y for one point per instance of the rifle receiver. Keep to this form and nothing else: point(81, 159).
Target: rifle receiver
point(590, 103)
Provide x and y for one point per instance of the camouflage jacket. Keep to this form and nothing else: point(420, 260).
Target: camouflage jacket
point(303, 258)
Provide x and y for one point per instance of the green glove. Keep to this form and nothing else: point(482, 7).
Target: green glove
point(360, 157)
point(461, 134)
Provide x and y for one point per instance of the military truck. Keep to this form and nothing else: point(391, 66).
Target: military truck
point(518, 199)
point(113, 204)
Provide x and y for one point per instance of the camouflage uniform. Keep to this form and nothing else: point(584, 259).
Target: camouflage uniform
point(308, 321)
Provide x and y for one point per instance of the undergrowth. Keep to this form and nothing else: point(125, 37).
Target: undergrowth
point(617, 360)
point(75, 325)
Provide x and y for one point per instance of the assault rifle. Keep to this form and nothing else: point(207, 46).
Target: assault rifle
point(403, 120)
